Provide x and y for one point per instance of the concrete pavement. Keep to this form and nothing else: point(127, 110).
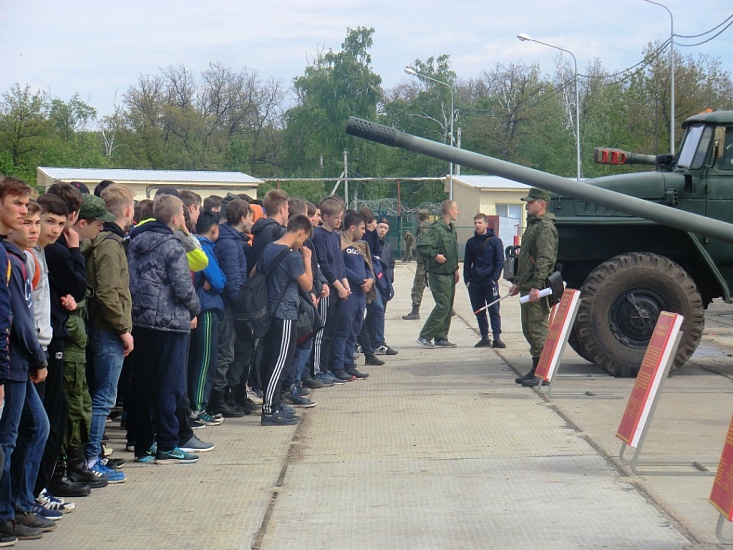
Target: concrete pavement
point(437, 449)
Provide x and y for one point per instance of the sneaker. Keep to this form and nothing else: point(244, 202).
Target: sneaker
point(206, 418)
point(113, 463)
point(313, 383)
point(29, 519)
point(107, 451)
point(286, 409)
point(384, 349)
point(424, 342)
point(113, 476)
point(254, 395)
point(195, 424)
point(483, 343)
point(250, 406)
point(444, 344)
point(373, 360)
point(324, 378)
point(130, 446)
point(356, 374)
point(498, 343)
point(301, 389)
point(50, 502)
point(298, 401)
point(149, 455)
point(46, 513)
point(13, 529)
point(278, 419)
point(342, 375)
point(195, 445)
point(175, 456)
point(7, 540)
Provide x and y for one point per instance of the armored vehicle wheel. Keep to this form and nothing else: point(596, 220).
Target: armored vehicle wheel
point(621, 301)
point(574, 342)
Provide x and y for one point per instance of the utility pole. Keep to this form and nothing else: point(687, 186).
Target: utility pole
point(346, 177)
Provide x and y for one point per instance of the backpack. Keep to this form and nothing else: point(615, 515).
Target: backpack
point(251, 315)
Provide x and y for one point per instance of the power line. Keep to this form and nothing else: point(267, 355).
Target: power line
point(706, 32)
point(711, 38)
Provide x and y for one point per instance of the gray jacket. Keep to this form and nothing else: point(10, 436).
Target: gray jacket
point(163, 296)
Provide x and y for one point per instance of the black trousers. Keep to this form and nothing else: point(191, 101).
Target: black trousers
point(51, 392)
point(278, 348)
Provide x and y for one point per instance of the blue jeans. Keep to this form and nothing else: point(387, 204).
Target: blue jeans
point(375, 321)
point(348, 330)
point(23, 432)
point(108, 352)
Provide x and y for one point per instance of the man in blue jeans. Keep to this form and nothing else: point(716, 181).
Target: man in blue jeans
point(109, 310)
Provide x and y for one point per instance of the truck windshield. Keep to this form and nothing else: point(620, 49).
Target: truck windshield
point(695, 146)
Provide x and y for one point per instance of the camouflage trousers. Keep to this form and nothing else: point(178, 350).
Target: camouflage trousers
point(80, 405)
point(419, 284)
point(535, 325)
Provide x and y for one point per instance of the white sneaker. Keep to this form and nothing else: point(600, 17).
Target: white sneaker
point(252, 396)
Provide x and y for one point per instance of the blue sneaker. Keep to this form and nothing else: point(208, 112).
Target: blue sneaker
point(175, 456)
point(335, 379)
point(46, 513)
point(324, 378)
point(113, 476)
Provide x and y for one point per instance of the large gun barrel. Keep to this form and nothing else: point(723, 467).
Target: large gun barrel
point(658, 213)
point(605, 155)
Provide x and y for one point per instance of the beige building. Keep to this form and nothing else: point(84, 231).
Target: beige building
point(491, 195)
point(146, 182)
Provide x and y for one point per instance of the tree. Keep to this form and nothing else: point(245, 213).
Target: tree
point(24, 127)
point(335, 86)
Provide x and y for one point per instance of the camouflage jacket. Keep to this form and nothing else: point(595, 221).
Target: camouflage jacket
point(538, 254)
point(440, 239)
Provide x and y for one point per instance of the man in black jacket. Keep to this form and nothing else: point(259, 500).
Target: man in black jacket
point(482, 266)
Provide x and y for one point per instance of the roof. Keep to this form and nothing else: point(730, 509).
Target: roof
point(710, 117)
point(121, 175)
point(489, 182)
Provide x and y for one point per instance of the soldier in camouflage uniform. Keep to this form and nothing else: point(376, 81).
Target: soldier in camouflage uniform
point(409, 240)
point(537, 259)
point(439, 249)
point(420, 281)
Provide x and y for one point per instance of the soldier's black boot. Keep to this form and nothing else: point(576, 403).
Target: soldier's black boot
point(413, 315)
point(79, 472)
point(62, 486)
point(530, 374)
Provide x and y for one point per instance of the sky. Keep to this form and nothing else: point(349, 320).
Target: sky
point(99, 49)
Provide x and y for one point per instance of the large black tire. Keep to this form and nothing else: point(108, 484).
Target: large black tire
point(577, 346)
point(620, 303)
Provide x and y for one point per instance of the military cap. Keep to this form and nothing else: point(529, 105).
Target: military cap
point(424, 211)
point(94, 208)
point(537, 194)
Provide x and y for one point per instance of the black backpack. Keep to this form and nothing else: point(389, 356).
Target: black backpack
point(251, 315)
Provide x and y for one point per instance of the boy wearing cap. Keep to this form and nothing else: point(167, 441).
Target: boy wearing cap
point(536, 261)
point(110, 338)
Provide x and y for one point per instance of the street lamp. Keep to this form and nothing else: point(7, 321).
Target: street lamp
point(413, 72)
point(525, 38)
point(671, 74)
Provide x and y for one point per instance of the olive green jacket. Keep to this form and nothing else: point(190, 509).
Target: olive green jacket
point(538, 254)
point(441, 238)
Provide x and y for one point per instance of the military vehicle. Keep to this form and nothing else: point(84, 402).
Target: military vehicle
point(634, 244)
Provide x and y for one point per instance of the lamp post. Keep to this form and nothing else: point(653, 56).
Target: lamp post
point(525, 38)
point(413, 72)
point(671, 74)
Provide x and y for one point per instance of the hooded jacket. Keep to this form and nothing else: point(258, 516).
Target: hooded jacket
point(25, 351)
point(229, 252)
point(264, 232)
point(66, 275)
point(163, 297)
point(210, 299)
point(107, 273)
point(483, 259)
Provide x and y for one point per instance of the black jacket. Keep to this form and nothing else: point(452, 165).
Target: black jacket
point(483, 261)
point(264, 232)
point(66, 275)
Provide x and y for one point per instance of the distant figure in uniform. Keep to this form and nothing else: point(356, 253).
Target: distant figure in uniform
point(409, 240)
point(537, 259)
point(420, 282)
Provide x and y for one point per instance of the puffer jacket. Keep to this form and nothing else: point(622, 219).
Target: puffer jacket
point(163, 296)
point(229, 252)
point(441, 238)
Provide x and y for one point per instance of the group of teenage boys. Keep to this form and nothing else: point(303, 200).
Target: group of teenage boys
point(98, 309)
